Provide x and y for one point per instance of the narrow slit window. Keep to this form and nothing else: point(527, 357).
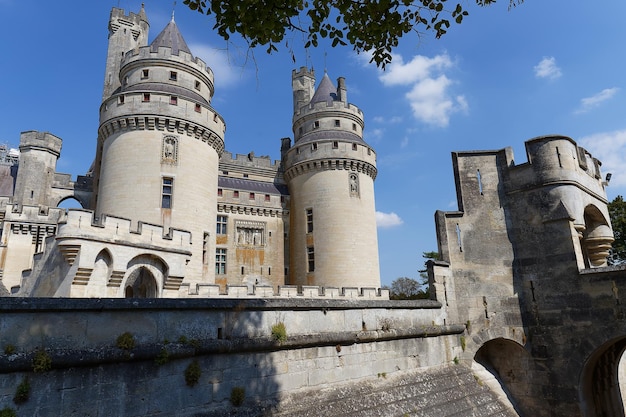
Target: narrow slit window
point(198, 108)
point(173, 75)
point(335, 145)
point(146, 97)
point(558, 156)
point(309, 220)
point(167, 192)
point(197, 85)
point(458, 237)
point(310, 256)
point(354, 147)
point(480, 181)
point(144, 73)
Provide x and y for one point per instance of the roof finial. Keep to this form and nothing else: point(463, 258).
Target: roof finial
point(325, 55)
point(173, 7)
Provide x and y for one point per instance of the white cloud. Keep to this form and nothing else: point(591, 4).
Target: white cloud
point(589, 103)
point(610, 149)
point(547, 68)
point(386, 220)
point(429, 94)
point(225, 71)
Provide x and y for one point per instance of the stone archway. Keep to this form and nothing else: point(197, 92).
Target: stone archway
point(141, 284)
point(512, 366)
point(599, 386)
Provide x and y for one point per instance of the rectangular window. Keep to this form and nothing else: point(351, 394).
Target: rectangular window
point(314, 146)
point(219, 192)
point(309, 220)
point(222, 221)
point(205, 246)
point(316, 124)
point(173, 75)
point(337, 123)
point(354, 146)
point(335, 145)
point(220, 261)
point(198, 108)
point(245, 175)
point(197, 85)
point(353, 126)
point(144, 73)
point(173, 100)
point(267, 197)
point(310, 256)
point(251, 196)
point(146, 96)
point(120, 100)
point(235, 194)
point(166, 195)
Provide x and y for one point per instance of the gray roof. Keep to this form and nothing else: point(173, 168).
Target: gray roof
point(244, 184)
point(168, 89)
point(170, 37)
point(326, 91)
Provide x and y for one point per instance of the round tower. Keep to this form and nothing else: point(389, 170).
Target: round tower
point(159, 143)
point(330, 172)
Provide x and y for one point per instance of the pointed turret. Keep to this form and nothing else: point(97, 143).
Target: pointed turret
point(170, 37)
point(330, 172)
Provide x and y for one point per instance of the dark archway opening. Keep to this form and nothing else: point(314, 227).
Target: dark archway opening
point(141, 284)
point(600, 391)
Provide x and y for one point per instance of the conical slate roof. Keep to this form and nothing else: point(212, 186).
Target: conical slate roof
point(326, 91)
point(170, 37)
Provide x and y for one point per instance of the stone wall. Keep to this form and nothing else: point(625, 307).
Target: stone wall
point(328, 344)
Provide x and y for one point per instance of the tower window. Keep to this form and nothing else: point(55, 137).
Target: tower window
point(235, 194)
point(251, 196)
point(167, 191)
point(220, 261)
point(173, 75)
point(353, 126)
point(335, 145)
point(146, 97)
point(337, 123)
point(300, 131)
point(220, 192)
point(198, 108)
point(197, 85)
point(125, 80)
point(144, 73)
point(173, 100)
point(267, 197)
point(314, 146)
point(309, 220)
point(120, 100)
point(354, 146)
point(316, 124)
point(310, 257)
point(222, 222)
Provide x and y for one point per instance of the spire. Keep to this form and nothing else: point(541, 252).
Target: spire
point(326, 91)
point(170, 37)
point(142, 14)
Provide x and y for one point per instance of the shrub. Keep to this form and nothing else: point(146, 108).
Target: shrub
point(9, 349)
point(22, 393)
point(237, 395)
point(279, 332)
point(42, 361)
point(463, 343)
point(163, 357)
point(125, 341)
point(7, 412)
point(193, 373)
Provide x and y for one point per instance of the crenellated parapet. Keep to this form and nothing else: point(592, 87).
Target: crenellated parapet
point(83, 224)
point(284, 291)
point(251, 210)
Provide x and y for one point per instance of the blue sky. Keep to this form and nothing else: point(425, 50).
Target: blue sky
point(496, 80)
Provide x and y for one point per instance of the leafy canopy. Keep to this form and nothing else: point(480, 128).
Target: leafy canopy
point(374, 26)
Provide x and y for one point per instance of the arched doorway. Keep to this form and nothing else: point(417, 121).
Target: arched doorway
point(141, 284)
point(600, 383)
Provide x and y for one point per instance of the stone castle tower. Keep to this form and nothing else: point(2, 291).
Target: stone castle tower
point(159, 140)
point(330, 172)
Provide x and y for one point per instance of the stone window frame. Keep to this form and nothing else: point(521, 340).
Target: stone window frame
point(169, 149)
point(167, 192)
point(310, 258)
point(221, 224)
point(250, 233)
point(220, 261)
point(308, 212)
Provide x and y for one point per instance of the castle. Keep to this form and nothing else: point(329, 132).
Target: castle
point(168, 213)
point(525, 316)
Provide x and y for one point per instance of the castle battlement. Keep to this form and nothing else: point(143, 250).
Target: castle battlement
point(40, 140)
point(327, 109)
point(83, 223)
point(284, 291)
point(17, 213)
point(164, 53)
point(119, 17)
point(249, 160)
